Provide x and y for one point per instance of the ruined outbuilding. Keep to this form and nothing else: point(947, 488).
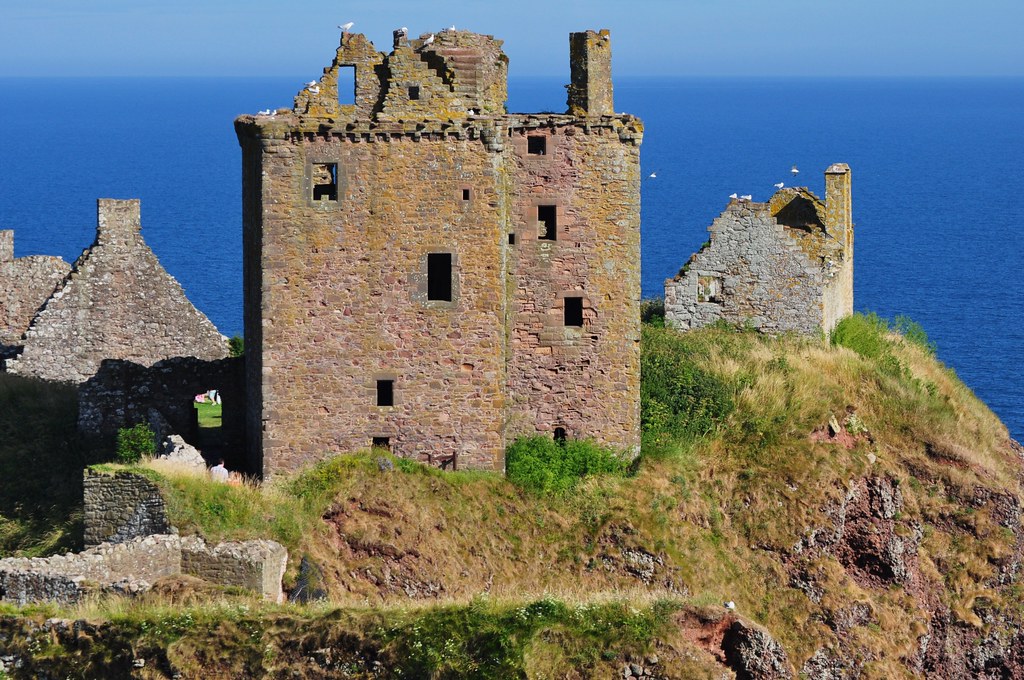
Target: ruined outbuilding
point(784, 265)
point(117, 302)
point(25, 284)
point(428, 273)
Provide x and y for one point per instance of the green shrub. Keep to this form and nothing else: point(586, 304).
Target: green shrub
point(678, 398)
point(135, 442)
point(652, 311)
point(865, 334)
point(544, 466)
point(236, 346)
point(914, 333)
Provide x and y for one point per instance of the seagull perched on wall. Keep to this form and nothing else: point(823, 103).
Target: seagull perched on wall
point(310, 85)
point(404, 31)
point(780, 185)
point(264, 112)
point(794, 171)
point(430, 40)
point(733, 196)
point(346, 27)
point(746, 197)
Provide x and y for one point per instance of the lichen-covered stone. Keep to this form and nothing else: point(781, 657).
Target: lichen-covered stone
point(342, 207)
point(118, 302)
point(25, 284)
point(784, 265)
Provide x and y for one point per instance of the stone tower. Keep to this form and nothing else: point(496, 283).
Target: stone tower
point(426, 272)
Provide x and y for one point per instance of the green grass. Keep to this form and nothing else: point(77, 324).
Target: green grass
point(209, 414)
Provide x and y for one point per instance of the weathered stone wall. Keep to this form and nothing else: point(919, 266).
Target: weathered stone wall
point(256, 565)
point(25, 284)
point(130, 566)
point(121, 506)
point(123, 393)
point(785, 265)
point(134, 566)
point(337, 286)
point(584, 379)
point(590, 67)
point(117, 303)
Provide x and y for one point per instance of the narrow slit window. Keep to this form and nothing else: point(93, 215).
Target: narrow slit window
point(439, 276)
point(385, 393)
point(347, 85)
point(537, 145)
point(573, 311)
point(414, 92)
point(325, 181)
point(547, 215)
point(511, 239)
point(381, 443)
point(465, 194)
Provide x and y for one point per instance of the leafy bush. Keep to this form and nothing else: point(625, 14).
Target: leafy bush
point(914, 333)
point(236, 346)
point(865, 334)
point(652, 311)
point(135, 442)
point(544, 466)
point(678, 398)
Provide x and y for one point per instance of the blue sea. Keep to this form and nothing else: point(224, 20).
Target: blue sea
point(937, 183)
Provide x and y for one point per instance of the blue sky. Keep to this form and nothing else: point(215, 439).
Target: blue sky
point(650, 37)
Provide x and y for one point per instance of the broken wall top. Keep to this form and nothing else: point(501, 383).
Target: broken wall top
point(437, 82)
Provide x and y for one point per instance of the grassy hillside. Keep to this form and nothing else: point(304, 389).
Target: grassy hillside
point(854, 498)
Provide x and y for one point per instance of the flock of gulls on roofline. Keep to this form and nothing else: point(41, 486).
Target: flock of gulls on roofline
point(737, 197)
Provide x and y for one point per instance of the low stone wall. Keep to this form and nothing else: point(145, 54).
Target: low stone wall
point(121, 506)
point(256, 565)
point(131, 566)
point(134, 566)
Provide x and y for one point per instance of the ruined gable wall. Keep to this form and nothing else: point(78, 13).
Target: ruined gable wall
point(118, 303)
point(342, 299)
point(583, 379)
point(755, 271)
point(25, 284)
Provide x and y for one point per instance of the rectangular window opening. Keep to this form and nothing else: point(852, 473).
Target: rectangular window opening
point(573, 311)
point(547, 215)
point(381, 443)
point(325, 181)
point(414, 92)
point(465, 194)
point(511, 239)
point(347, 85)
point(537, 145)
point(385, 393)
point(439, 276)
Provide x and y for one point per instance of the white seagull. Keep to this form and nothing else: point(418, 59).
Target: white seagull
point(430, 40)
point(452, 27)
point(794, 171)
point(346, 27)
point(733, 196)
point(747, 197)
point(730, 605)
point(780, 185)
point(311, 84)
point(264, 112)
point(653, 175)
point(404, 30)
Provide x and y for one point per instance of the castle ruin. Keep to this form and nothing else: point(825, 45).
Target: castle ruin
point(428, 273)
point(117, 302)
point(784, 265)
point(25, 284)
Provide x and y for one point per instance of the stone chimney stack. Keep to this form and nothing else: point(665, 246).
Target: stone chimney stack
point(590, 63)
point(838, 202)
point(6, 246)
point(118, 221)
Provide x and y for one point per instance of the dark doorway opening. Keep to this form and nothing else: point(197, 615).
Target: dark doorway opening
point(385, 393)
point(547, 215)
point(439, 276)
point(573, 315)
point(381, 443)
point(560, 435)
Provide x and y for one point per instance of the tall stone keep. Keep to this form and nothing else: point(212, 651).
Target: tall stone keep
point(590, 67)
point(428, 273)
point(118, 302)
